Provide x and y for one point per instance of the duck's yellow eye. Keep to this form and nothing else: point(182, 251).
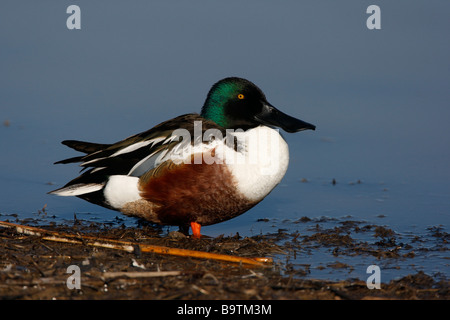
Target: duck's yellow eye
point(240, 96)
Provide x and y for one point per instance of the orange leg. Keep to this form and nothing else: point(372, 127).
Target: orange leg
point(196, 230)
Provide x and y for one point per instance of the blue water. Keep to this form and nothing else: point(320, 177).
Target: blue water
point(379, 99)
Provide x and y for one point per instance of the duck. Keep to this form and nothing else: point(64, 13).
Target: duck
point(193, 170)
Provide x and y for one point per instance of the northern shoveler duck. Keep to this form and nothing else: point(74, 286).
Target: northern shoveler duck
point(195, 169)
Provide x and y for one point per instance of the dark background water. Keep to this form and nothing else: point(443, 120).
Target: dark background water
point(379, 99)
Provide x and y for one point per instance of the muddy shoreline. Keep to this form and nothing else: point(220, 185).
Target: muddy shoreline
point(34, 268)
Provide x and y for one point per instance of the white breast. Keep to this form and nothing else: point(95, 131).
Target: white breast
point(260, 163)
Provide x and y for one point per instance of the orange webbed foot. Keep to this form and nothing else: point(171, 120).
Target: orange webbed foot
point(196, 230)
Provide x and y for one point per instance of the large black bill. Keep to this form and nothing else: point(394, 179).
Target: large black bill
point(274, 117)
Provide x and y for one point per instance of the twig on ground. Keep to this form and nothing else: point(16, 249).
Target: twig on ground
point(130, 246)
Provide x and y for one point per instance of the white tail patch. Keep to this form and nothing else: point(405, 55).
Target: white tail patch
point(120, 190)
point(78, 189)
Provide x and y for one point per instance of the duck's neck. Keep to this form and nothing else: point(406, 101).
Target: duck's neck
point(260, 163)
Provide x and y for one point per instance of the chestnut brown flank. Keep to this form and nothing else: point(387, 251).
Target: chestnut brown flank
point(186, 193)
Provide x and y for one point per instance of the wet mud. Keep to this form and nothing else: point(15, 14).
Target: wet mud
point(34, 268)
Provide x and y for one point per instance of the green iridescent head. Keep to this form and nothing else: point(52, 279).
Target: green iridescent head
point(236, 103)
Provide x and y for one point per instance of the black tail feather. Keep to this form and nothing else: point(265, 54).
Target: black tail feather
point(70, 160)
point(86, 147)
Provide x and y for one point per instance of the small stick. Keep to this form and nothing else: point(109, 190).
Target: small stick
point(130, 246)
point(140, 274)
